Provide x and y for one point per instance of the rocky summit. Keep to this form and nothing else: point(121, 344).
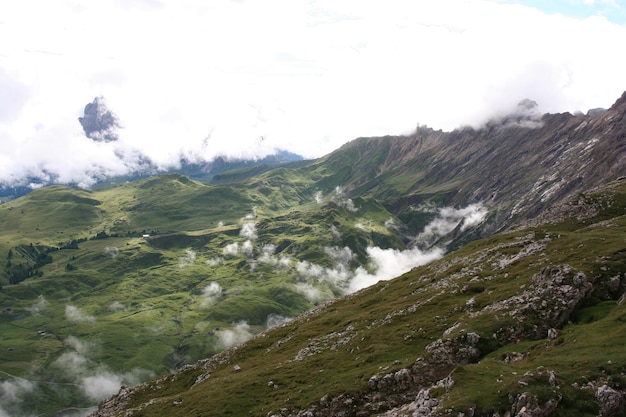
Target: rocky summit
point(99, 122)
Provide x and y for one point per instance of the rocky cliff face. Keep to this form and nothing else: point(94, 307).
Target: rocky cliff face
point(98, 122)
point(518, 165)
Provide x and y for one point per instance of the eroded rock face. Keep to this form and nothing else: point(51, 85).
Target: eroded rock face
point(611, 401)
point(555, 293)
point(98, 122)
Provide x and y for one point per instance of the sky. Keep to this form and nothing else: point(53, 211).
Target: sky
point(244, 78)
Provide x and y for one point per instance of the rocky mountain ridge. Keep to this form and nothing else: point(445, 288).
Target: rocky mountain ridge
point(515, 170)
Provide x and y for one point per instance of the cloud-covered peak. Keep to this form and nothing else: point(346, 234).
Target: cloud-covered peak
point(98, 122)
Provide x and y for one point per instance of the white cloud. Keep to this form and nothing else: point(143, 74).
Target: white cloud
point(239, 72)
point(248, 230)
point(267, 254)
point(391, 263)
point(39, 305)
point(215, 261)
point(111, 251)
point(187, 259)
point(74, 315)
point(116, 306)
point(312, 293)
point(95, 380)
point(231, 250)
point(212, 290)
point(342, 255)
point(101, 386)
point(13, 392)
point(247, 248)
point(240, 333)
point(448, 218)
point(210, 293)
point(274, 320)
point(81, 347)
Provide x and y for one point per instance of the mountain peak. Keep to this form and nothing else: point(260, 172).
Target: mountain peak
point(98, 122)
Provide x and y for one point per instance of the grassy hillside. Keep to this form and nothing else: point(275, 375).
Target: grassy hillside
point(106, 288)
point(85, 293)
point(532, 318)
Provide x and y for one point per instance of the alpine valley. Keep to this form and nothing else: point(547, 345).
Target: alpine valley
point(478, 272)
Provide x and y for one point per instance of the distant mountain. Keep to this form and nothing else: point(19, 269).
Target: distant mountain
point(202, 171)
point(99, 122)
point(109, 287)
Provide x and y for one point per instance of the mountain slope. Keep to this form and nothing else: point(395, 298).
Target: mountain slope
point(515, 167)
point(116, 285)
point(526, 321)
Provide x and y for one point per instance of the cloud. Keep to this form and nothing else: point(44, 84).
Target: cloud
point(12, 392)
point(274, 320)
point(391, 263)
point(116, 306)
point(215, 261)
point(101, 386)
point(341, 255)
point(455, 63)
point(74, 315)
point(94, 380)
point(210, 293)
point(111, 251)
point(81, 347)
point(188, 259)
point(240, 333)
point(231, 250)
point(247, 248)
point(39, 305)
point(212, 290)
point(448, 218)
point(251, 216)
point(14, 96)
point(248, 231)
point(267, 254)
point(312, 293)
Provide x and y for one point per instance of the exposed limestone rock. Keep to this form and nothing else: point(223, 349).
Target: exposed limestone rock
point(611, 401)
point(527, 405)
point(98, 122)
point(547, 304)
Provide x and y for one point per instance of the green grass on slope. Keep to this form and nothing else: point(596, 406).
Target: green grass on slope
point(387, 326)
point(109, 301)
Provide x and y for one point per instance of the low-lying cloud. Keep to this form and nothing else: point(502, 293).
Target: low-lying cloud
point(239, 334)
point(75, 315)
point(13, 393)
point(210, 293)
point(116, 306)
point(248, 231)
point(274, 320)
point(187, 259)
point(39, 305)
point(111, 252)
point(391, 263)
point(94, 380)
point(448, 219)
